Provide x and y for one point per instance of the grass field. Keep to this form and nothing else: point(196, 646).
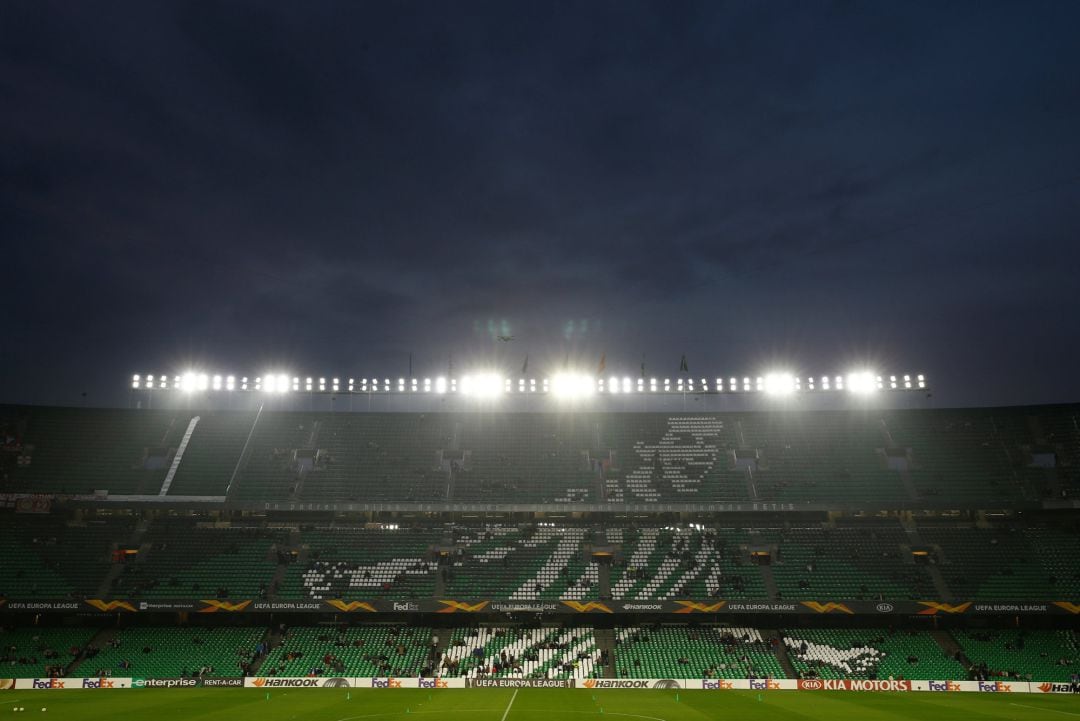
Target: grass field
point(527, 705)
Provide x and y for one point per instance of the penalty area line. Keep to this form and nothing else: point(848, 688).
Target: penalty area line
point(507, 711)
point(1039, 708)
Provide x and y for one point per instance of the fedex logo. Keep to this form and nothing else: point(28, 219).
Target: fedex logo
point(97, 683)
point(432, 683)
point(763, 685)
point(48, 683)
point(718, 685)
point(943, 685)
point(995, 687)
point(390, 682)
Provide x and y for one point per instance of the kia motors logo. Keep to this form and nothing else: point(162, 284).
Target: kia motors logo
point(885, 608)
point(811, 684)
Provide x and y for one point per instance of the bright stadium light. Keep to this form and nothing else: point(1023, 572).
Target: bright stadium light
point(440, 385)
point(274, 383)
point(217, 383)
point(861, 382)
point(135, 381)
point(191, 382)
point(230, 383)
point(482, 385)
point(571, 385)
point(779, 384)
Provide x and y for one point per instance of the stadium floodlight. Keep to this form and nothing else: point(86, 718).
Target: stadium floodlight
point(779, 384)
point(230, 383)
point(216, 382)
point(440, 385)
point(269, 384)
point(135, 381)
point(572, 385)
point(860, 382)
point(922, 380)
point(482, 385)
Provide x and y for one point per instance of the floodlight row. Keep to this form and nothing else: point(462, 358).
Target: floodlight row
point(563, 385)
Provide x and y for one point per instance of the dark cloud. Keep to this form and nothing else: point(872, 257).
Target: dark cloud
point(336, 186)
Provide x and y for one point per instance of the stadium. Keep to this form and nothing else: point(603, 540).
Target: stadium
point(514, 547)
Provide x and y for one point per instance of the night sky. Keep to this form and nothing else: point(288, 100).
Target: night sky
point(325, 188)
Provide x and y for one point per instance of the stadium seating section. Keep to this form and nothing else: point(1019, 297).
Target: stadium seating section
point(848, 562)
point(185, 560)
point(1007, 561)
point(173, 652)
point(873, 653)
point(522, 652)
point(372, 563)
point(41, 651)
point(658, 650)
point(375, 650)
point(1045, 655)
point(693, 652)
point(46, 558)
point(993, 456)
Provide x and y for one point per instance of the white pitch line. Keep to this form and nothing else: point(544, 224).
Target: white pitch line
point(507, 711)
point(1039, 708)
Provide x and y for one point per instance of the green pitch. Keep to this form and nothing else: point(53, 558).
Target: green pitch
point(525, 705)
